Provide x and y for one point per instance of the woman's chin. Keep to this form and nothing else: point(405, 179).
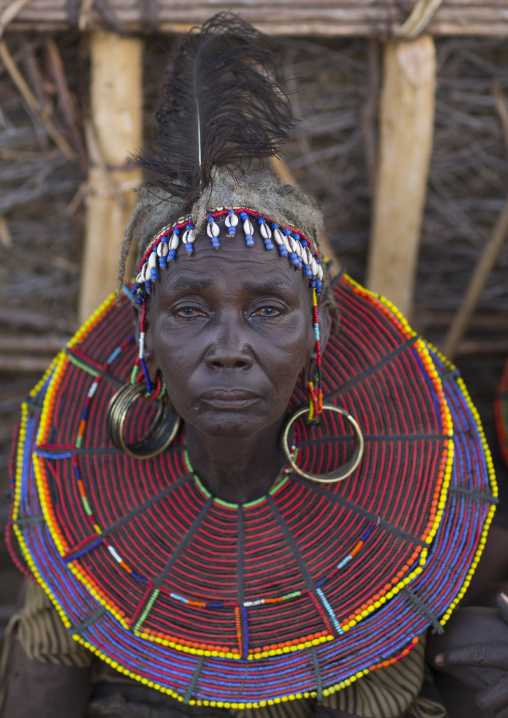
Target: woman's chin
point(228, 424)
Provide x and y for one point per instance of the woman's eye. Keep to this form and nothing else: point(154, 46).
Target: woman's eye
point(268, 312)
point(189, 312)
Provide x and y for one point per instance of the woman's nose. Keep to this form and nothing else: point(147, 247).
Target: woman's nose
point(229, 348)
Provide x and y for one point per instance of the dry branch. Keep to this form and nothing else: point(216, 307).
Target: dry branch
point(477, 283)
point(12, 364)
point(31, 101)
point(47, 344)
point(286, 17)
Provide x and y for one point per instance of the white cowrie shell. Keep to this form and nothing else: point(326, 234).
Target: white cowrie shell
point(188, 236)
point(320, 273)
point(313, 266)
point(265, 230)
point(278, 236)
point(145, 272)
point(162, 249)
point(141, 277)
point(231, 220)
point(305, 255)
point(174, 241)
point(298, 247)
point(247, 227)
point(152, 260)
point(212, 229)
point(287, 243)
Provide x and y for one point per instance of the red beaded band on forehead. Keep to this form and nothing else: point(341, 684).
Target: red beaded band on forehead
point(301, 251)
point(291, 243)
point(220, 212)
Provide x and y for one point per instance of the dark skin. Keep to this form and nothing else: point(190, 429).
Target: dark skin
point(474, 650)
point(231, 331)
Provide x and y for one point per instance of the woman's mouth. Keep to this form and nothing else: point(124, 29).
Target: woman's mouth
point(229, 398)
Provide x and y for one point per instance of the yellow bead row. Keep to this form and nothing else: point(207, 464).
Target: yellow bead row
point(174, 644)
point(383, 303)
point(99, 596)
point(19, 462)
point(90, 323)
point(493, 485)
point(391, 310)
point(59, 365)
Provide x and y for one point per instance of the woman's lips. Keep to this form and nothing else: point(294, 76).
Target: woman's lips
point(229, 398)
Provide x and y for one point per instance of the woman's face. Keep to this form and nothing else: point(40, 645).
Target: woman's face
point(230, 330)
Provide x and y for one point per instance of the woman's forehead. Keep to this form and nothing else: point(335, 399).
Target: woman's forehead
point(234, 265)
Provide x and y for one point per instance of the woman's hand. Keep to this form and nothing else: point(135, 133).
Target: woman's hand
point(474, 649)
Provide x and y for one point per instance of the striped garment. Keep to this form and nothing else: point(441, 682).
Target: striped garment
point(384, 693)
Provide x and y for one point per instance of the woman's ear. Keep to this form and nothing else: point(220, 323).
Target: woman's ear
point(325, 323)
point(148, 353)
point(325, 326)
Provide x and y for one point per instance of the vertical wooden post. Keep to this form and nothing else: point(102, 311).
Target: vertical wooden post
point(407, 120)
point(115, 131)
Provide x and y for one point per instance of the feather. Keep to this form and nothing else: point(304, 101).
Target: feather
point(220, 107)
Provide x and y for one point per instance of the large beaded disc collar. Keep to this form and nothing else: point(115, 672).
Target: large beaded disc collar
point(294, 595)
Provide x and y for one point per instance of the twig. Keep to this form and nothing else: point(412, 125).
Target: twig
point(419, 19)
point(31, 101)
point(24, 317)
point(84, 15)
point(477, 283)
point(67, 100)
point(34, 75)
point(502, 109)
point(21, 364)
point(369, 112)
point(5, 235)
point(10, 12)
point(32, 344)
point(479, 348)
point(80, 195)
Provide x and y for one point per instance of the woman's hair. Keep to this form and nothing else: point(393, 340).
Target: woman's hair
point(258, 190)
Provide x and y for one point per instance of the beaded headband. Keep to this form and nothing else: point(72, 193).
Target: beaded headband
point(291, 243)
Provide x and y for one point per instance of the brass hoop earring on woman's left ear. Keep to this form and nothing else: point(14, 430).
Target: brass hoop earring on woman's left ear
point(342, 472)
point(163, 429)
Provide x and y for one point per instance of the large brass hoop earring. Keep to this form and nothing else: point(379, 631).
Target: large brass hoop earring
point(163, 429)
point(342, 472)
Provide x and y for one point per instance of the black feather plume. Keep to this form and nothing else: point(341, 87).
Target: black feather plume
point(220, 107)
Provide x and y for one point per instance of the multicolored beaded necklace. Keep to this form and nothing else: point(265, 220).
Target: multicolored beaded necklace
point(297, 594)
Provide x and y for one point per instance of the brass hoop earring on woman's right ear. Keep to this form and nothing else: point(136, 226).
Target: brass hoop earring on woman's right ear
point(163, 427)
point(342, 472)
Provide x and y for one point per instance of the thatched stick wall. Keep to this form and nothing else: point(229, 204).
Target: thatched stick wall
point(285, 17)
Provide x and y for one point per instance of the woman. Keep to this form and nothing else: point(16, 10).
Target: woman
point(246, 503)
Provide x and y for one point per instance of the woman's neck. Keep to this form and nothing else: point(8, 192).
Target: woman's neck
point(237, 470)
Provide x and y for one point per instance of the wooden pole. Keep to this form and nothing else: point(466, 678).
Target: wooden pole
point(406, 129)
point(115, 131)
